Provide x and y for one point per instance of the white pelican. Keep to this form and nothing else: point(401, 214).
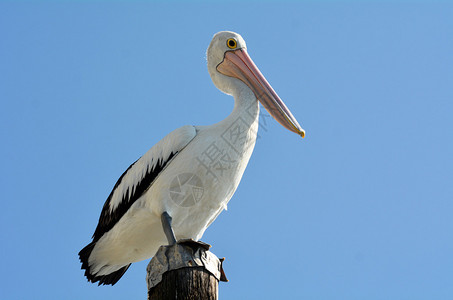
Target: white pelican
point(179, 187)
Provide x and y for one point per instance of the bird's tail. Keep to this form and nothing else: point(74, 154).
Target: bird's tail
point(111, 278)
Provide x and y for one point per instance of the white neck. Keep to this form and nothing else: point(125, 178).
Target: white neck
point(246, 108)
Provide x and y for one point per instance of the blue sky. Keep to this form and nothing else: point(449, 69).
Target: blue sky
point(359, 209)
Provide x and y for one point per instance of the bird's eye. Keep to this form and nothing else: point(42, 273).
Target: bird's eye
point(232, 44)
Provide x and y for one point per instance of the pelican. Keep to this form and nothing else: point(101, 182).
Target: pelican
point(180, 186)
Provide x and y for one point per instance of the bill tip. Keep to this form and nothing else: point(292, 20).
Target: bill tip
point(302, 133)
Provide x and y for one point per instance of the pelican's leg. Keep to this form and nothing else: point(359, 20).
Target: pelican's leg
point(166, 225)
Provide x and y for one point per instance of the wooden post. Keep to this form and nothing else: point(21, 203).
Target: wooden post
point(185, 270)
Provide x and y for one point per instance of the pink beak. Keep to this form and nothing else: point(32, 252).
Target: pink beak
point(238, 64)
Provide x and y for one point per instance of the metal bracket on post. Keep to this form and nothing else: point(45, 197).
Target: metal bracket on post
point(183, 255)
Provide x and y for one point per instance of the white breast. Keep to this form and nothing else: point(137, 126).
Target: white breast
point(199, 182)
point(194, 188)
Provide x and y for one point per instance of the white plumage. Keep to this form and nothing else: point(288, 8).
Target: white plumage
point(191, 174)
point(172, 143)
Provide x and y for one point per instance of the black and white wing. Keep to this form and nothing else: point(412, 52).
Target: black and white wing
point(129, 188)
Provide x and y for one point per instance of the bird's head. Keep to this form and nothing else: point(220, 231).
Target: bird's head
point(221, 43)
point(232, 70)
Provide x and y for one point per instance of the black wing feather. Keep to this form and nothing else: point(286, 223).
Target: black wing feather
point(111, 278)
point(108, 219)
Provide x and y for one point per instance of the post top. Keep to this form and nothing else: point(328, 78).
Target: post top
point(183, 254)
